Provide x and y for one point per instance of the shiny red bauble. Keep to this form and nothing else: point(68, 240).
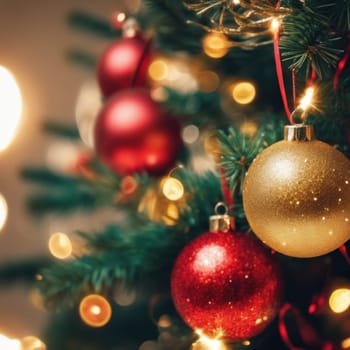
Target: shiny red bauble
point(133, 134)
point(124, 64)
point(226, 284)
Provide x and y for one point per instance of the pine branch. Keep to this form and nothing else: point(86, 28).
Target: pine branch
point(173, 33)
point(238, 151)
point(127, 256)
point(61, 130)
point(307, 40)
point(82, 58)
point(63, 193)
point(21, 270)
point(132, 252)
point(92, 25)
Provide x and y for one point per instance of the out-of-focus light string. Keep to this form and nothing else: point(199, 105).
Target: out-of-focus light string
point(340, 67)
point(312, 78)
point(309, 336)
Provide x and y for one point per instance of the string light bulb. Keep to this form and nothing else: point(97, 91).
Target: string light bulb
point(306, 100)
point(339, 300)
point(206, 343)
point(300, 113)
point(275, 25)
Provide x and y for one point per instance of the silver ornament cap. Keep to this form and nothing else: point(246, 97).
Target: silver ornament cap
point(299, 132)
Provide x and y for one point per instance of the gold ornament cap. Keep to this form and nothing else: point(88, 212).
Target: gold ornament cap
point(299, 132)
point(221, 222)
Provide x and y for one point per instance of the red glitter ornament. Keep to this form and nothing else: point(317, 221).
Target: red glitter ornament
point(133, 134)
point(226, 284)
point(124, 64)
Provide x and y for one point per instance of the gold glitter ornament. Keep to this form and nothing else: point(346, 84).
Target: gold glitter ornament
point(296, 195)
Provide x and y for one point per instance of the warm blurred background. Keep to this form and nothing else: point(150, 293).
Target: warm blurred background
point(34, 38)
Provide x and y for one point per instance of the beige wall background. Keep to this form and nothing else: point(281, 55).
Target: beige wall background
point(34, 37)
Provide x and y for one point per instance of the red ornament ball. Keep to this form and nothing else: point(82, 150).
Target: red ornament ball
point(124, 64)
point(133, 134)
point(226, 284)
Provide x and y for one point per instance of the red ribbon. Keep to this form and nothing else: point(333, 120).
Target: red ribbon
point(340, 67)
point(308, 335)
point(226, 189)
point(345, 253)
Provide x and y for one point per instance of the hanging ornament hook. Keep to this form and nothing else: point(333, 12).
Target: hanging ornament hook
point(221, 221)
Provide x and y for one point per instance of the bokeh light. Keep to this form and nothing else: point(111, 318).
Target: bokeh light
point(149, 345)
point(208, 81)
point(158, 70)
point(32, 343)
point(215, 45)
point(3, 211)
point(95, 310)
point(63, 156)
point(248, 128)
point(190, 134)
point(339, 300)
point(243, 92)
point(124, 297)
point(60, 245)
point(173, 188)
point(88, 105)
point(9, 344)
point(10, 107)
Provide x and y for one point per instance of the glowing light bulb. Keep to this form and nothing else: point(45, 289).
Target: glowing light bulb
point(206, 343)
point(243, 92)
point(10, 107)
point(215, 45)
point(339, 300)
point(306, 100)
point(173, 189)
point(3, 211)
point(275, 25)
point(32, 343)
point(60, 245)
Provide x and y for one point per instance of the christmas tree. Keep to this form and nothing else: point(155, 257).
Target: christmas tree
point(217, 136)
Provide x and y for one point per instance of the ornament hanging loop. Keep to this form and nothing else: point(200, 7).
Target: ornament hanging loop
point(221, 221)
